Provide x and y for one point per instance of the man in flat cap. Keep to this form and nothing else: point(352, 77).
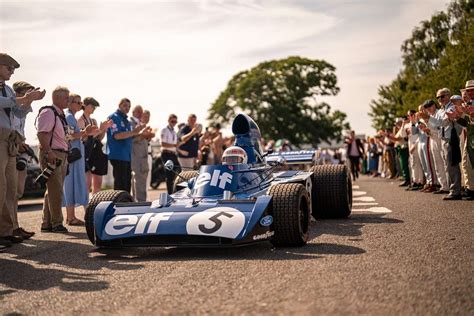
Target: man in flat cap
point(10, 107)
point(467, 137)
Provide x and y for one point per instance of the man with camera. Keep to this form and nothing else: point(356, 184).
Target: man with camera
point(10, 107)
point(25, 154)
point(54, 148)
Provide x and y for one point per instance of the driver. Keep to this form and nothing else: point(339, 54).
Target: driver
point(234, 155)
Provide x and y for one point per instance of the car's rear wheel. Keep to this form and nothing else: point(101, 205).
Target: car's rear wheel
point(291, 214)
point(332, 191)
point(184, 176)
point(115, 196)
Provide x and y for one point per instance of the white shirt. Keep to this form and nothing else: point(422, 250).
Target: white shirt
point(169, 136)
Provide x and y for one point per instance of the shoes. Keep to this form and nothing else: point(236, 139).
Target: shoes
point(75, 222)
point(23, 233)
point(440, 192)
point(14, 239)
point(430, 189)
point(450, 197)
point(5, 242)
point(2, 248)
point(404, 184)
point(59, 229)
point(46, 229)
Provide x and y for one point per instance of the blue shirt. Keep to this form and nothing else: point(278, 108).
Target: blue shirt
point(191, 146)
point(119, 149)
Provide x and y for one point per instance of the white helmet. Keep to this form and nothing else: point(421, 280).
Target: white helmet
point(234, 155)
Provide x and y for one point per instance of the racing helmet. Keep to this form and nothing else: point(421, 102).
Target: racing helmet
point(234, 155)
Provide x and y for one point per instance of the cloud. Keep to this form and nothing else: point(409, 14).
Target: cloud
point(177, 56)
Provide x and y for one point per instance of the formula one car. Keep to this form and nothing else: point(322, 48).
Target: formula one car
point(249, 198)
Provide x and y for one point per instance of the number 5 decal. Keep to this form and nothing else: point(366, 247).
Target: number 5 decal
point(218, 221)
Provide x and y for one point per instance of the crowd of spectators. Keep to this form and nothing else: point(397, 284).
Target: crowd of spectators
point(431, 148)
point(71, 153)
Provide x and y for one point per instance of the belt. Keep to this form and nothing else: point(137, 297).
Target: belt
point(61, 150)
point(168, 152)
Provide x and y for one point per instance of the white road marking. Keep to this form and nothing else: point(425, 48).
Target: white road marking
point(355, 187)
point(364, 199)
point(378, 210)
point(358, 193)
point(364, 203)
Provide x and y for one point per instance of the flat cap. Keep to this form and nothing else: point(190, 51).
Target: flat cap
point(428, 103)
point(8, 60)
point(21, 86)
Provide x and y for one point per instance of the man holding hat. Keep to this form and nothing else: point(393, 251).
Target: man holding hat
point(10, 139)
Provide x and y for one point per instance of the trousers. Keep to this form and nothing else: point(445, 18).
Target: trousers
point(454, 172)
point(8, 186)
point(53, 197)
point(403, 158)
point(415, 166)
point(122, 172)
point(439, 163)
point(467, 169)
point(426, 160)
point(139, 187)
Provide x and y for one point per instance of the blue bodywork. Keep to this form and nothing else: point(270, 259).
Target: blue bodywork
point(198, 215)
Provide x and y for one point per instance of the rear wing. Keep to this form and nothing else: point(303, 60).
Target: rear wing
point(293, 157)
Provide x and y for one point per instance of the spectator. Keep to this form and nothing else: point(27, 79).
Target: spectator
point(21, 88)
point(169, 141)
point(355, 151)
point(414, 158)
point(218, 141)
point(119, 145)
point(140, 144)
point(435, 147)
point(96, 162)
point(10, 139)
point(373, 157)
point(52, 131)
point(189, 143)
point(401, 138)
point(75, 191)
point(206, 148)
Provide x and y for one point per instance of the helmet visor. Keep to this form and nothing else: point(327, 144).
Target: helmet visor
point(232, 160)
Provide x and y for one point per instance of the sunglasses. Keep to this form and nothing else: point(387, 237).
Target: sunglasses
point(441, 96)
point(10, 68)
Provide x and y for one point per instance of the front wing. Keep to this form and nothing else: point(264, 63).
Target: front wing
point(184, 223)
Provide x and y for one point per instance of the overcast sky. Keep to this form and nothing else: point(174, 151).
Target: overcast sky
point(177, 56)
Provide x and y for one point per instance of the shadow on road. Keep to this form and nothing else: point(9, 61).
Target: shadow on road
point(19, 275)
point(38, 265)
point(351, 226)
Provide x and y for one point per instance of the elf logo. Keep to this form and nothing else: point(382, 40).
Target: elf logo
point(123, 224)
point(216, 180)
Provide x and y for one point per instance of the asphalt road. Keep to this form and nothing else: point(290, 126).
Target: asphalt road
point(399, 253)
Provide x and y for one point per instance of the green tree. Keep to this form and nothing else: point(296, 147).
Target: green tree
point(281, 96)
point(440, 53)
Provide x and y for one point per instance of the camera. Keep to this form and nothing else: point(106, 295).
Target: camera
point(23, 158)
point(47, 172)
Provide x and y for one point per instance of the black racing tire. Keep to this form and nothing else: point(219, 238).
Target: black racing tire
point(331, 191)
point(291, 214)
point(184, 176)
point(115, 196)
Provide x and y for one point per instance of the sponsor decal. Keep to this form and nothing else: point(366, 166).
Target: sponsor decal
point(216, 180)
point(267, 235)
point(266, 221)
point(123, 224)
point(217, 221)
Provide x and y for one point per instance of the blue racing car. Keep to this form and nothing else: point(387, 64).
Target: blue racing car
point(252, 197)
